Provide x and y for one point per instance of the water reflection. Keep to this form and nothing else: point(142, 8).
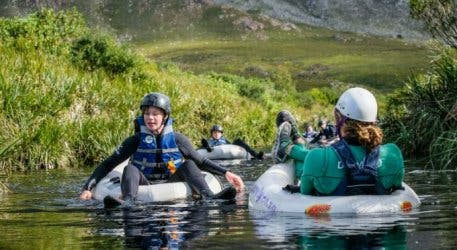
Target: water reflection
point(43, 211)
point(167, 226)
point(333, 232)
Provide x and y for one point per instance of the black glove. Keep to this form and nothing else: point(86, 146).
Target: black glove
point(291, 189)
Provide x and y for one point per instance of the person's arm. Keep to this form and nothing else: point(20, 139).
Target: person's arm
point(188, 151)
point(311, 167)
point(298, 152)
point(124, 151)
point(392, 170)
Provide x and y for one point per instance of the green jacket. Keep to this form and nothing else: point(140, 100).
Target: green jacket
point(318, 168)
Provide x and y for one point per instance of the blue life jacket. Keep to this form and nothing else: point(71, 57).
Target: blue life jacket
point(157, 159)
point(361, 177)
point(216, 142)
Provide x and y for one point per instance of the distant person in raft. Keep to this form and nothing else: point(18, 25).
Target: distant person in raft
point(309, 133)
point(217, 138)
point(158, 153)
point(327, 134)
point(357, 163)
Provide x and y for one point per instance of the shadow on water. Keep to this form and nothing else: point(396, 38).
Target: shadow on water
point(43, 211)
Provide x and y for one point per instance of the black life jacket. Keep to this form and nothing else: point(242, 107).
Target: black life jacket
point(361, 177)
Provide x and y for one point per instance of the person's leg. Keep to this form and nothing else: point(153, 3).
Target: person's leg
point(251, 151)
point(131, 179)
point(190, 173)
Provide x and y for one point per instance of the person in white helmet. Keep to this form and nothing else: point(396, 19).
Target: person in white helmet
point(358, 163)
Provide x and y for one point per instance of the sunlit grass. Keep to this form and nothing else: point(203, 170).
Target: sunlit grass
point(57, 114)
point(373, 61)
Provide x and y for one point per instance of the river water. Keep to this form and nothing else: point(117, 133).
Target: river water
point(43, 211)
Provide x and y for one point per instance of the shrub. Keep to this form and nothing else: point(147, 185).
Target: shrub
point(93, 53)
point(422, 116)
point(44, 30)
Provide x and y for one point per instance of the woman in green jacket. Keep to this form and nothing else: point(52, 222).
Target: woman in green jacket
point(357, 163)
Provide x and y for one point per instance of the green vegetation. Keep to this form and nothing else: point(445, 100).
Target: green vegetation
point(310, 58)
point(439, 16)
point(68, 98)
point(422, 116)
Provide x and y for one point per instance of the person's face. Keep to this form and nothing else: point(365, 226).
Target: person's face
point(154, 119)
point(309, 129)
point(324, 124)
point(216, 135)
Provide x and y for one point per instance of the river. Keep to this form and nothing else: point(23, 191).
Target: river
point(43, 211)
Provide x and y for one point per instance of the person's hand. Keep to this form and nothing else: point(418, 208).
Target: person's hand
point(291, 189)
point(235, 180)
point(85, 195)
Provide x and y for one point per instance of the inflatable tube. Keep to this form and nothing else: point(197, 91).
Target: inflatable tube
point(225, 152)
point(266, 194)
point(111, 185)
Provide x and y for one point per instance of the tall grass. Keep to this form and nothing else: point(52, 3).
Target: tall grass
point(68, 97)
point(422, 116)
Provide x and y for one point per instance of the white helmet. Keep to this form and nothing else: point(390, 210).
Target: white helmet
point(358, 104)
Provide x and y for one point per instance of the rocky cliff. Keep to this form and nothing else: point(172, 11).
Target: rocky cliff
point(379, 17)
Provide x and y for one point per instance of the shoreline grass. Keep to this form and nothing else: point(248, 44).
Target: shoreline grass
point(69, 97)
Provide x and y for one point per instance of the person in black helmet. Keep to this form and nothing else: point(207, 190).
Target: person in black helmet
point(327, 133)
point(158, 153)
point(217, 138)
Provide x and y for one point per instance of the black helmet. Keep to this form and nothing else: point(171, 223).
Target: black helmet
point(157, 100)
point(217, 127)
point(285, 116)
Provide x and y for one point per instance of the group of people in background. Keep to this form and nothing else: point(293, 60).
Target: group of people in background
point(324, 136)
point(349, 158)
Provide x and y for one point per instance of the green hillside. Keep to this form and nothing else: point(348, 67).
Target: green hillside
point(69, 97)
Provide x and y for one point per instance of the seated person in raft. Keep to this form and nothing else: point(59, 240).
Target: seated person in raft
point(327, 134)
point(157, 154)
point(217, 138)
point(358, 163)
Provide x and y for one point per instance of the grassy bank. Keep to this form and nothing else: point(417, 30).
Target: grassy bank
point(69, 97)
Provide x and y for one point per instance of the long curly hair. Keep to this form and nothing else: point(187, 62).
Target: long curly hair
point(368, 134)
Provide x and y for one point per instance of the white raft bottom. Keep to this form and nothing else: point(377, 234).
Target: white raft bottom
point(111, 185)
point(225, 152)
point(266, 194)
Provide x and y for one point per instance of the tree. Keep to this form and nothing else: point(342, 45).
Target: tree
point(439, 16)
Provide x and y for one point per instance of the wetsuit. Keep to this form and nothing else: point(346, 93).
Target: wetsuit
point(322, 172)
point(216, 142)
point(189, 171)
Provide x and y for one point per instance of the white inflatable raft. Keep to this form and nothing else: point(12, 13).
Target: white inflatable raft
point(110, 185)
point(266, 194)
point(225, 152)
